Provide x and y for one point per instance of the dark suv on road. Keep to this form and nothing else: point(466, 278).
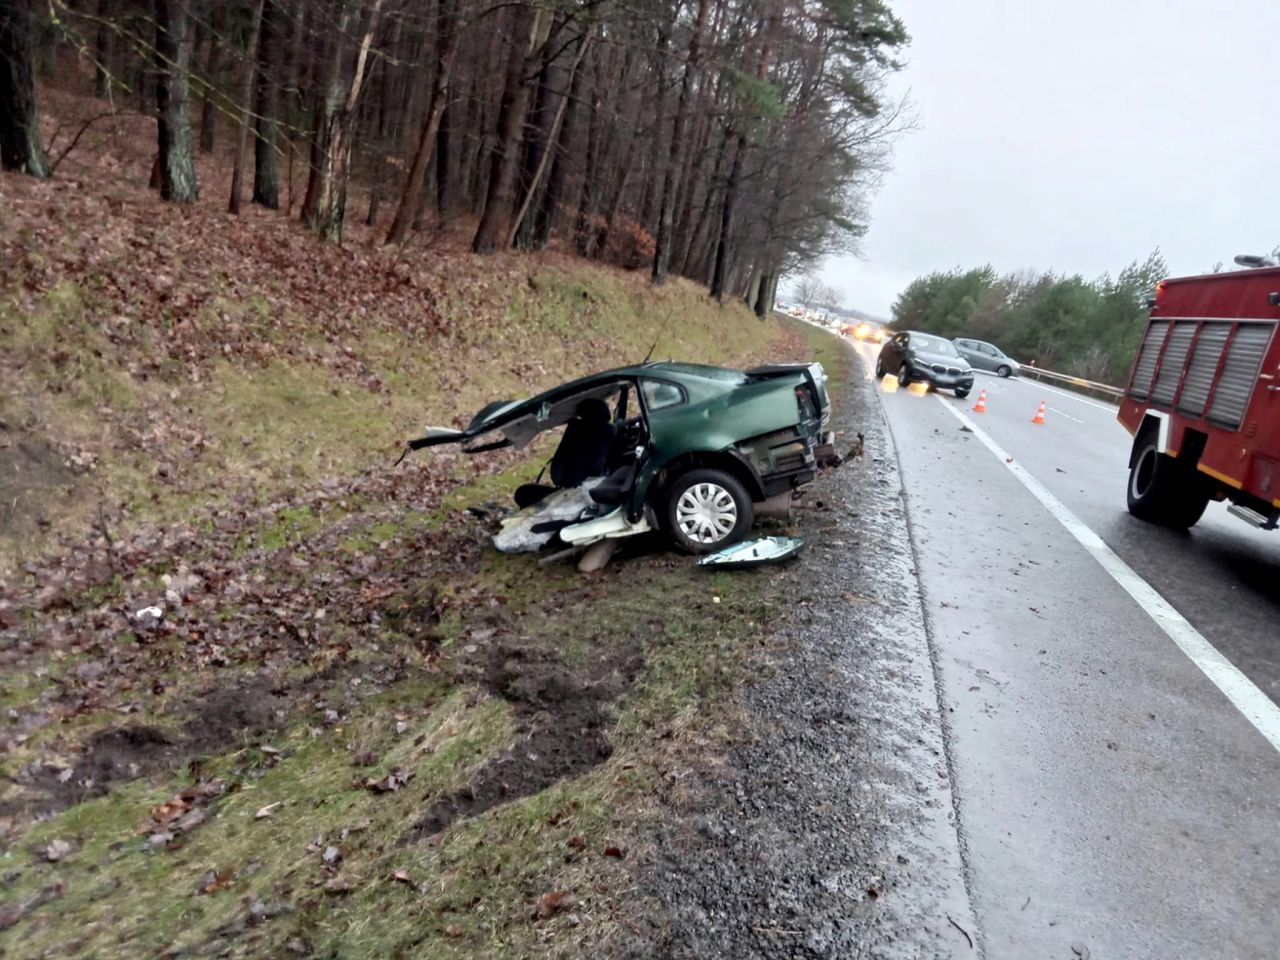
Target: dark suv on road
point(925, 358)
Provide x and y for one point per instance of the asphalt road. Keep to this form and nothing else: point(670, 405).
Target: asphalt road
point(1112, 801)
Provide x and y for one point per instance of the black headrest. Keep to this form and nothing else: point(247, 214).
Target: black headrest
point(593, 410)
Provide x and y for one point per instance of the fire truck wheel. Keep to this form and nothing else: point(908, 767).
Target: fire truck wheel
point(1162, 490)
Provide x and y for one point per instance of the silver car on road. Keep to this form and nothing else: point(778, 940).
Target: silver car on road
point(987, 356)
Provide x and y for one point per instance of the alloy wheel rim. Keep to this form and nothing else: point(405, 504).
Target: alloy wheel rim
point(706, 513)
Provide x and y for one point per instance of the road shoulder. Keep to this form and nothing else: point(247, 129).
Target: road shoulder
point(830, 830)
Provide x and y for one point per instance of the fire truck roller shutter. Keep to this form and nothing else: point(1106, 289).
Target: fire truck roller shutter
point(1145, 369)
point(1204, 364)
point(1175, 359)
point(1240, 373)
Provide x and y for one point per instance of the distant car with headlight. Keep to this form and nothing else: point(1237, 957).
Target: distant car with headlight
point(925, 358)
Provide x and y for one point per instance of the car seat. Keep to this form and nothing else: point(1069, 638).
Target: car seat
point(583, 452)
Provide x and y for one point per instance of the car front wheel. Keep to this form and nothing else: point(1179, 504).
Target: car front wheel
point(962, 392)
point(707, 510)
point(1004, 370)
point(904, 374)
point(879, 366)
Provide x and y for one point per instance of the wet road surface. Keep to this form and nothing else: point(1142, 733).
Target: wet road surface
point(1112, 801)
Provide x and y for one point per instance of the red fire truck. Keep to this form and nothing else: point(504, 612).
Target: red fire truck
point(1203, 399)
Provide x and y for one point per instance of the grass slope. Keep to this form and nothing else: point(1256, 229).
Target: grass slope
point(357, 730)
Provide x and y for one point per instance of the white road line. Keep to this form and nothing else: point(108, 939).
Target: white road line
point(1063, 413)
point(1256, 706)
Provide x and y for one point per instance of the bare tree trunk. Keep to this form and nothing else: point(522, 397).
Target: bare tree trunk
point(550, 205)
point(178, 183)
point(212, 67)
point(102, 49)
point(335, 129)
point(767, 294)
point(536, 135)
point(493, 230)
point(20, 145)
point(445, 176)
point(719, 273)
point(675, 163)
point(246, 101)
point(411, 198)
point(551, 139)
point(584, 230)
point(266, 175)
point(696, 241)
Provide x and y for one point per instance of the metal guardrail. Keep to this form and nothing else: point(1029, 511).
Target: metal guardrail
point(1078, 384)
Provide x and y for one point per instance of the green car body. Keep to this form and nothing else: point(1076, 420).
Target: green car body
point(765, 426)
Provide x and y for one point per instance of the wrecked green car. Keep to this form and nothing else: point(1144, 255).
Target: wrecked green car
point(694, 450)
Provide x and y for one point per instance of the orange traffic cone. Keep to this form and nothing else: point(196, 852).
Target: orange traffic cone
point(981, 405)
point(1039, 417)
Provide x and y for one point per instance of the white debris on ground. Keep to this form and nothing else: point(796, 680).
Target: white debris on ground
point(518, 534)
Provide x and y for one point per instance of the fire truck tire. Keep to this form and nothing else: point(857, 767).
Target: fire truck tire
point(1162, 490)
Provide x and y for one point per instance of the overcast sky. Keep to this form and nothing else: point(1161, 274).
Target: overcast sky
point(1076, 136)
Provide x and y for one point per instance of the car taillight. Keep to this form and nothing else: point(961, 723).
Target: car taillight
point(804, 402)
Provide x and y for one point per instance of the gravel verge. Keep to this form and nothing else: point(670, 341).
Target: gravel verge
point(829, 831)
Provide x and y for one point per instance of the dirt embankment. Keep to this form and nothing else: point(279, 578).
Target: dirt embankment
point(155, 356)
point(264, 695)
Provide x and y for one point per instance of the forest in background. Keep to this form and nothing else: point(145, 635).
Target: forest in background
point(728, 141)
point(1064, 323)
point(1084, 328)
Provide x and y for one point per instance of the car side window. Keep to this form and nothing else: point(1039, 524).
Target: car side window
point(659, 394)
point(989, 350)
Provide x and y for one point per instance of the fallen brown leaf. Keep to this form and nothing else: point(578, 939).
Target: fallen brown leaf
point(552, 902)
point(392, 782)
point(169, 811)
point(215, 880)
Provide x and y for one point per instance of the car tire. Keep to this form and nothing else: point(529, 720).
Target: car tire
point(1161, 489)
point(879, 367)
point(904, 374)
point(707, 510)
point(1003, 370)
point(961, 392)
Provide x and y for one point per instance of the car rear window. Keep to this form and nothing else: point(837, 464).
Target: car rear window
point(660, 393)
